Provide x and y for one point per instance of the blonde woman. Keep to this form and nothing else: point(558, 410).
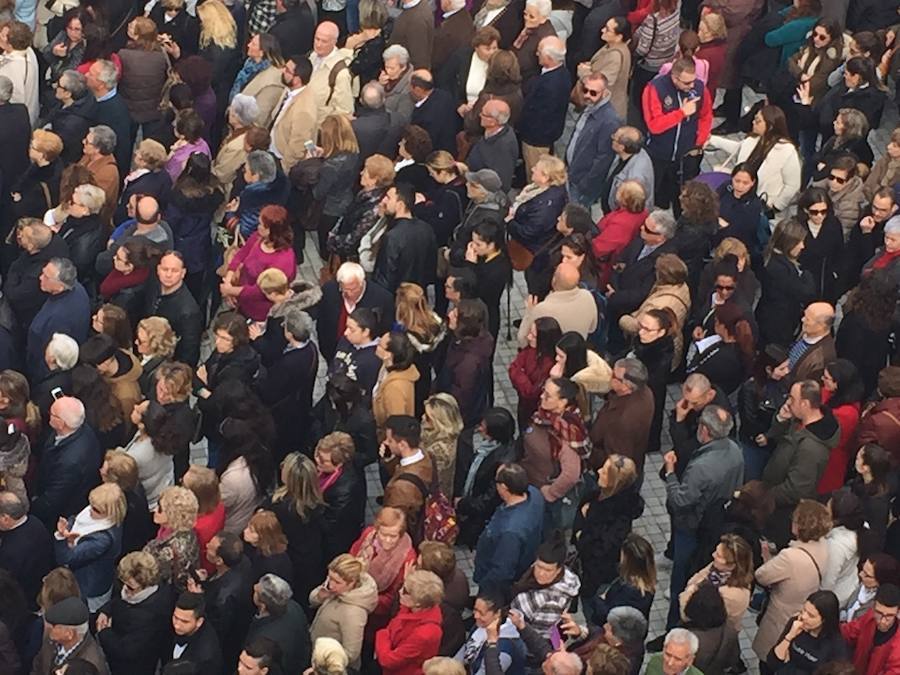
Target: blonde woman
point(120, 468)
point(337, 177)
point(175, 547)
point(218, 45)
point(414, 633)
point(144, 69)
point(29, 197)
point(89, 543)
point(445, 203)
point(363, 214)
point(328, 658)
point(154, 342)
point(731, 571)
point(424, 328)
point(531, 222)
point(441, 426)
point(344, 602)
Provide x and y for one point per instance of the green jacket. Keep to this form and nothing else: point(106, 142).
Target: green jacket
point(655, 667)
point(790, 36)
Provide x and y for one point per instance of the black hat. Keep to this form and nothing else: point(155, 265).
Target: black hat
point(68, 612)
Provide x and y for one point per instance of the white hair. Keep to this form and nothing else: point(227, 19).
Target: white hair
point(107, 73)
point(350, 271)
point(558, 54)
point(245, 108)
point(398, 52)
point(544, 7)
point(664, 221)
point(372, 94)
point(274, 592)
point(70, 410)
point(682, 636)
point(91, 197)
point(64, 351)
point(892, 226)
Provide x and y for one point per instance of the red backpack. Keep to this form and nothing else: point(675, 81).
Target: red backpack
point(437, 521)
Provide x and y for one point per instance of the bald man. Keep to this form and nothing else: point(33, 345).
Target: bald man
point(498, 149)
point(434, 111)
point(330, 77)
point(146, 223)
point(573, 308)
point(546, 103)
point(813, 350)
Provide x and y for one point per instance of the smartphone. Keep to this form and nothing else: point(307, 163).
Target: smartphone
point(556, 639)
point(56, 393)
point(310, 147)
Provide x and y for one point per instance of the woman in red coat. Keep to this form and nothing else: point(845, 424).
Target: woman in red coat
point(532, 366)
point(713, 47)
point(619, 227)
point(842, 392)
point(414, 634)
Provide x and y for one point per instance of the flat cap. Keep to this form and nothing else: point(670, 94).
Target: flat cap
point(68, 612)
point(486, 178)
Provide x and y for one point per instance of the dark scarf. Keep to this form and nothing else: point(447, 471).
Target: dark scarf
point(528, 583)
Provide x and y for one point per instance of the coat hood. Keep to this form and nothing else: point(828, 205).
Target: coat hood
point(826, 430)
point(410, 374)
point(569, 585)
point(305, 295)
point(423, 345)
point(133, 373)
point(596, 376)
point(364, 596)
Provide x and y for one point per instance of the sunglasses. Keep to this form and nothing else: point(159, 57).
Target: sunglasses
point(719, 287)
point(838, 179)
point(817, 212)
point(592, 92)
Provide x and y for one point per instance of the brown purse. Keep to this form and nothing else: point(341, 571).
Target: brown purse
point(520, 257)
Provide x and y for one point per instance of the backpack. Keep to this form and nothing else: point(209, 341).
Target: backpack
point(437, 521)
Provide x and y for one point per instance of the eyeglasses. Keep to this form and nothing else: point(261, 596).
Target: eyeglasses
point(817, 212)
point(820, 36)
point(720, 287)
point(647, 229)
point(649, 329)
point(839, 179)
point(592, 92)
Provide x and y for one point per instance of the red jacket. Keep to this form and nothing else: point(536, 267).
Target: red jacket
point(835, 473)
point(881, 425)
point(617, 229)
point(527, 372)
point(410, 639)
point(867, 658)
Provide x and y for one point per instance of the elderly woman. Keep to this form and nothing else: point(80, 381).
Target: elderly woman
point(472, 74)
point(343, 491)
point(99, 146)
point(259, 80)
point(189, 135)
point(232, 357)
point(243, 113)
point(263, 185)
point(148, 177)
point(887, 258)
point(536, 27)
point(362, 214)
point(328, 658)
point(83, 230)
point(15, 451)
point(60, 356)
point(204, 483)
point(151, 448)
point(851, 131)
point(175, 547)
point(37, 190)
point(627, 212)
point(144, 69)
point(136, 621)
point(90, 542)
point(886, 170)
point(154, 342)
point(414, 634)
point(502, 81)
point(344, 602)
point(394, 392)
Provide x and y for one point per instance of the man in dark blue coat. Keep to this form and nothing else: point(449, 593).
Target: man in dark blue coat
point(102, 79)
point(75, 114)
point(434, 111)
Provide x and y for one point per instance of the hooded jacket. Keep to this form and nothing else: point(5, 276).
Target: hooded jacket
point(271, 344)
point(494, 206)
point(468, 375)
point(410, 639)
point(344, 616)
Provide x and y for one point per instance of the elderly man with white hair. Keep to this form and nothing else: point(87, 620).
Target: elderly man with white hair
point(83, 229)
point(60, 356)
point(678, 654)
point(68, 638)
point(15, 133)
point(70, 464)
point(372, 124)
point(281, 620)
point(498, 149)
point(546, 103)
point(102, 80)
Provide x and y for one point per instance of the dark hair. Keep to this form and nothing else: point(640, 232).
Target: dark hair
point(189, 124)
point(264, 650)
point(278, 221)
point(580, 244)
point(236, 327)
point(97, 349)
point(727, 266)
point(492, 231)
point(96, 43)
point(578, 218)
point(548, 335)
point(236, 399)
point(810, 196)
point(406, 194)
point(575, 348)
point(495, 596)
point(405, 428)
point(101, 409)
point(514, 477)
point(553, 550)
point(874, 300)
point(879, 462)
point(887, 568)
point(705, 609)
point(196, 179)
point(776, 132)
point(14, 608)
point(193, 602)
point(888, 594)
point(471, 318)
point(665, 317)
point(142, 253)
point(864, 67)
point(240, 438)
point(302, 67)
point(367, 319)
point(699, 203)
point(828, 607)
point(623, 27)
point(464, 282)
point(832, 27)
point(344, 393)
point(568, 390)
point(401, 349)
point(162, 429)
point(180, 97)
point(753, 504)
point(730, 315)
point(750, 170)
point(499, 425)
point(196, 72)
point(417, 142)
point(231, 548)
point(850, 388)
point(117, 325)
point(869, 44)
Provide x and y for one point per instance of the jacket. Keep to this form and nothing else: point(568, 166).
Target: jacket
point(790, 36)
point(372, 128)
point(879, 425)
point(88, 650)
point(468, 375)
point(124, 384)
point(622, 427)
point(203, 650)
point(614, 61)
point(294, 125)
point(590, 154)
point(133, 642)
point(410, 639)
point(67, 312)
point(343, 616)
point(455, 31)
point(676, 298)
point(870, 658)
point(671, 134)
point(92, 559)
point(847, 202)
point(38, 187)
point(329, 310)
point(106, 174)
point(574, 310)
point(290, 632)
point(67, 473)
point(345, 506)
point(476, 508)
point(407, 253)
point(141, 83)
point(786, 290)
point(438, 116)
point(337, 100)
point(85, 238)
point(183, 314)
point(404, 494)
point(739, 16)
point(22, 286)
point(23, 70)
point(812, 364)
point(268, 89)
point(190, 219)
point(294, 29)
point(254, 196)
point(337, 178)
point(743, 215)
point(15, 135)
point(286, 389)
point(840, 573)
point(157, 184)
point(114, 113)
point(637, 167)
point(869, 100)
point(634, 282)
point(499, 152)
point(720, 650)
point(545, 106)
point(26, 552)
point(414, 29)
point(527, 373)
point(735, 598)
point(542, 607)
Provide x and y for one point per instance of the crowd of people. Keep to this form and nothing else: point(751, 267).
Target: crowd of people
point(191, 423)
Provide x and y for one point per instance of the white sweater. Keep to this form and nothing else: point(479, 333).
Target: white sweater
point(839, 575)
point(156, 471)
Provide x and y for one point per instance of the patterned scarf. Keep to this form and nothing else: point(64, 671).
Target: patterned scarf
point(717, 577)
point(567, 427)
point(250, 70)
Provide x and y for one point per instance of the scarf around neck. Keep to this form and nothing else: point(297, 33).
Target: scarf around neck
point(384, 565)
point(249, 70)
point(86, 524)
point(567, 427)
point(530, 191)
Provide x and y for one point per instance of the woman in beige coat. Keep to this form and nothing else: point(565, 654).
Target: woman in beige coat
point(395, 388)
point(794, 573)
point(345, 600)
point(731, 571)
point(266, 86)
point(242, 115)
point(670, 291)
point(614, 61)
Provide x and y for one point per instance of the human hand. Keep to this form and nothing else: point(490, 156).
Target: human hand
point(531, 301)
point(254, 330)
point(420, 198)
point(723, 223)
point(568, 626)
point(784, 412)
point(682, 408)
point(609, 290)
point(103, 622)
point(584, 68)
point(471, 256)
point(60, 50)
point(201, 373)
point(17, 196)
point(383, 78)
point(761, 440)
point(516, 618)
point(698, 333)
point(492, 630)
point(408, 567)
point(867, 224)
point(193, 586)
point(233, 205)
point(62, 527)
point(796, 629)
point(670, 459)
point(803, 93)
point(689, 107)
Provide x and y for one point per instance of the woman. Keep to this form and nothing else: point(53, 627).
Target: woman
point(547, 588)
point(793, 574)
point(343, 603)
point(37, 190)
point(851, 130)
point(147, 178)
point(242, 114)
point(337, 176)
point(144, 72)
point(727, 356)
point(271, 246)
point(125, 285)
point(246, 473)
point(83, 230)
point(387, 550)
point(425, 330)
point(328, 658)
point(367, 46)
point(861, 90)
point(415, 146)
point(218, 45)
point(671, 292)
point(15, 452)
point(16, 406)
point(152, 450)
point(847, 543)
point(204, 483)
point(845, 188)
point(613, 59)
point(886, 170)
point(655, 41)
point(731, 573)
point(697, 225)
point(793, 23)
point(15, 622)
point(842, 393)
point(345, 407)
point(634, 586)
point(175, 547)
point(267, 547)
point(705, 616)
point(90, 542)
point(655, 348)
point(394, 392)
point(823, 243)
point(810, 638)
point(355, 352)
point(414, 633)
point(486, 253)
point(503, 81)
point(604, 522)
point(441, 426)
point(712, 32)
point(786, 287)
point(887, 258)
point(741, 209)
point(878, 569)
point(119, 368)
point(576, 361)
point(155, 344)
point(575, 249)
point(189, 140)
point(532, 365)
point(66, 49)
point(770, 152)
point(537, 26)
point(362, 214)
point(300, 509)
point(467, 374)
point(232, 359)
point(101, 408)
point(445, 204)
point(260, 79)
point(136, 621)
point(343, 491)
point(628, 211)
point(470, 71)
point(873, 464)
point(492, 628)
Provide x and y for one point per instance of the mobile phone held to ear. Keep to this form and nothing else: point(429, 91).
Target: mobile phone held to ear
point(56, 393)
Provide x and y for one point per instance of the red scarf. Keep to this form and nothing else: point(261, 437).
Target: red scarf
point(567, 427)
point(115, 281)
point(326, 480)
point(885, 259)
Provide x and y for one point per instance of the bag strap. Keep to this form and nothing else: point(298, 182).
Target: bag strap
point(336, 70)
point(891, 416)
point(815, 564)
point(672, 295)
point(417, 481)
point(46, 190)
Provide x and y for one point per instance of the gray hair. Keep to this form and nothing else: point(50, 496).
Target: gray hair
point(274, 592)
point(635, 372)
point(398, 52)
point(544, 7)
point(558, 54)
point(627, 624)
point(39, 234)
point(682, 636)
point(892, 226)
point(103, 138)
point(6, 89)
point(245, 108)
point(64, 351)
point(71, 411)
point(501, 116)
point(262, 164)
point(107, 73)
point(74, 83)
point(372, 95)
point(350, 271)
point(11, 505)
point(697, 383)
point(664, 221)
point(298, 324)
point(80, 630)
point(717, 420)
point(91, 197)
point(66, 274)
point(566, 663)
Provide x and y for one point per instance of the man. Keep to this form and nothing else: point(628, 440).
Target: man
point(874, 637)
point(15, 134)
point(372, 124)
point(282, 621)
point(410, 470)
point(573, 307)
point(67, 309)
point(295, 123)
point(678, 114)
point(715, 471)
point(170, 298)
point(26, 549)
point(228, 592)
point(258, 658)
point(330, 80)
point(697, 392)
point(414, 29)
point(677, 658)
point(455, 32)
point(590, 153)
point(631, 163)
point(434, 111)
point(622, 426)
point(498, 149)
point(195, 641)
point(76, 112)
point(98, 148)
point(340, 298)
point(66, 637)
point(293, 27)
point(408, 250)
point(69, 465)
point(148, 225)
point(19, 63)
point(508, 545)
point(803, 433)
point(546, 103)
point(813, 350)
point(102, 79)
point(867, 236)
point(22, 285)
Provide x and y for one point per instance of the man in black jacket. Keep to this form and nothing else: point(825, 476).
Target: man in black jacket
point(15, 135)
point(229, 592)
point(697, 392)
point(74, 116)
point(169, 298)
point(294, 26)
point(102, 79)
point(434, 111)
point(408, 250)
point(281, 620)
point(373, 123)
point(26, 549)
point(22, 285)
point(195, 640)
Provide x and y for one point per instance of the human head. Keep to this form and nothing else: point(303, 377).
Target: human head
point(204, 483)
point(715, 423)
point(100, 140)
point(821, 611)
point(629, 375)
point(260, 167)
point(811, 520)
point(271, 595)
point(536, 13)
point(558, 394)
point(61, 352)
point(787, 239)
point(66, 415)
point(396, 61)
point(296, 72)
point(177, 509)
point(258, 657)
point(486, 42)
point(421, 590)
point(595, 87)
point(336, 135)
point(189, 614)
point(108, 501)
point(67, 622)
point(511, 481)
point(679, 650)
point(333, 451)
point(137, 570)
point(617, 474)
point(170, 271)
point(684, 75)
point(230, 332)
point(328, 657)
point(658, 228)
point(58, 276)
point(805, 399)
point(421, 84)
point(120, 468)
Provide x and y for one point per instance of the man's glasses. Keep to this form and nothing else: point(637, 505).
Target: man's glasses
point(720, 287)
point(592, 92)
point(839, 179)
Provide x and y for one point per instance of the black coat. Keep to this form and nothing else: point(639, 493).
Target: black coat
point(444, 208)
point(287, 390)
point(372, 128)
point(657, 357)
point(786, 291)
point(328, 312)
point(619, 594)
point(868, 100)
point(868, 349)
point(203, 650)
point(86, 238)
point(26, 552)
point(468, 376)
point(306, 547)
point(294, 30)
point(693, 242)
point(183, 315)
point(278, 564)
point(138, 527)
point(39, 189)
point(114, 113)
point(190, 218)
point(722, 365)
point(821, 257)
point(229, 606)
point(858, 250)
point(829, 152)
point(134, 643)
point(367, 63)
point(290, 632)
point(407, 253)
point(240, 364)
point(345, 511)
point(22, 285)
point(183, 28)
point(156, 184)
point(15, 136)
point(41, 391)
point(493, 276)
point(743, 215)
point(360, 424)
point(544, 109)
point(71, 124)
point(634, 282)
point(438, 116)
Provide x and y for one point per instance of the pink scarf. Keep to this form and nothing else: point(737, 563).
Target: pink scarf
point(326, 480)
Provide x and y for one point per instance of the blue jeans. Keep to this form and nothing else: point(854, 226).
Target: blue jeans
point(684, 543)
point(755, 460)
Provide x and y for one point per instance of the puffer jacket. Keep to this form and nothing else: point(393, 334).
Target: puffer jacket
point(344, 616)
point(85, 237)
point(543, 607)
point(360, 216)
point(141, 83)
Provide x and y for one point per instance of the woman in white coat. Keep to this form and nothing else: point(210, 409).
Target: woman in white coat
point(843, 542)
point(770, 150)
point(152, 450)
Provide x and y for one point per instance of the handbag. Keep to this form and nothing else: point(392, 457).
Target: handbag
point(172, 78)
point(764, 605)
point(230, 251)
point(520, 257)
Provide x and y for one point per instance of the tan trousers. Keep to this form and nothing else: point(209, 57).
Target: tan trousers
point(530, 155)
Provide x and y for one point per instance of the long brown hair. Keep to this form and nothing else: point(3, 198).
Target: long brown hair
point(413, 312)
point(776, 132)
point(739, 554)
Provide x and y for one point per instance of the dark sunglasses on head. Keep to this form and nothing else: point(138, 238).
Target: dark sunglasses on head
point(817, 212)
point(838, 179)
